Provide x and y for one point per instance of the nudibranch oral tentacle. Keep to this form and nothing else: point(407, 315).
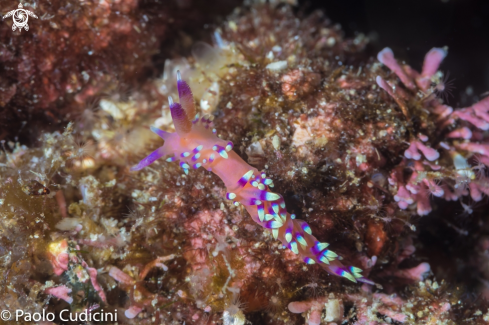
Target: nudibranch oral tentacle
point(195, 145)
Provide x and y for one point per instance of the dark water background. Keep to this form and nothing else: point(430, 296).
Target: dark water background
point(411, 28)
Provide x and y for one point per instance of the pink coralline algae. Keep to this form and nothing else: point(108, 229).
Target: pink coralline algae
point(376, 308)
point(61, 292)
point(60, 257)
point(464, 140)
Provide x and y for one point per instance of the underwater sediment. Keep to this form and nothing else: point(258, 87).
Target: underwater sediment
point(361, 148)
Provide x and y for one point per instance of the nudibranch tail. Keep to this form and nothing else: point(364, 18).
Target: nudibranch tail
point(195, 145)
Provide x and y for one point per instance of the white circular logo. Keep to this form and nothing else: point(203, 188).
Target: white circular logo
point(20, 17)
point(5, 315)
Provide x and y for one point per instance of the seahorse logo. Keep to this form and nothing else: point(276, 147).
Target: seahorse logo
point(20, 17)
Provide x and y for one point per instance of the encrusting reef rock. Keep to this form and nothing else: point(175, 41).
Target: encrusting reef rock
point(77, 51)
point(357, 146)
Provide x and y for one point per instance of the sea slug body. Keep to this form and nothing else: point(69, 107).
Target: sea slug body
point(195, 144)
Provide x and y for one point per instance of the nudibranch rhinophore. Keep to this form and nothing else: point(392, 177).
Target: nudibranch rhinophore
point(195, 144)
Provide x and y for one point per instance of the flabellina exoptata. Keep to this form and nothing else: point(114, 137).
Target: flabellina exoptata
point(195, 144)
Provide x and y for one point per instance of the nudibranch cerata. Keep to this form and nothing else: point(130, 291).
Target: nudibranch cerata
point(195, 144)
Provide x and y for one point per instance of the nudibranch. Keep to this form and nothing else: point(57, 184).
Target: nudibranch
point(195, 144)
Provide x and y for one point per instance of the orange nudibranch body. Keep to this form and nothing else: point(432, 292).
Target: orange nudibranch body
point(195, 145)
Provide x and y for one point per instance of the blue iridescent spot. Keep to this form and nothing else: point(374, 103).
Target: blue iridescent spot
point(347, 275)
point(355, 271)
point(306, 228)
point(198, 148)
point(309, 260)
point(261, 212)
point(293, 247)
point(273, 224)
point(223, 153)
point(328, 255)
point(301, 239)
point(319, 247)
point(229, 146)
point(269, 196)
point(288, 235)
point(246, 177)
point(275, 207)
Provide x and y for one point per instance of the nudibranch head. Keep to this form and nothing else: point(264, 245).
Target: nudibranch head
point(194, 143)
